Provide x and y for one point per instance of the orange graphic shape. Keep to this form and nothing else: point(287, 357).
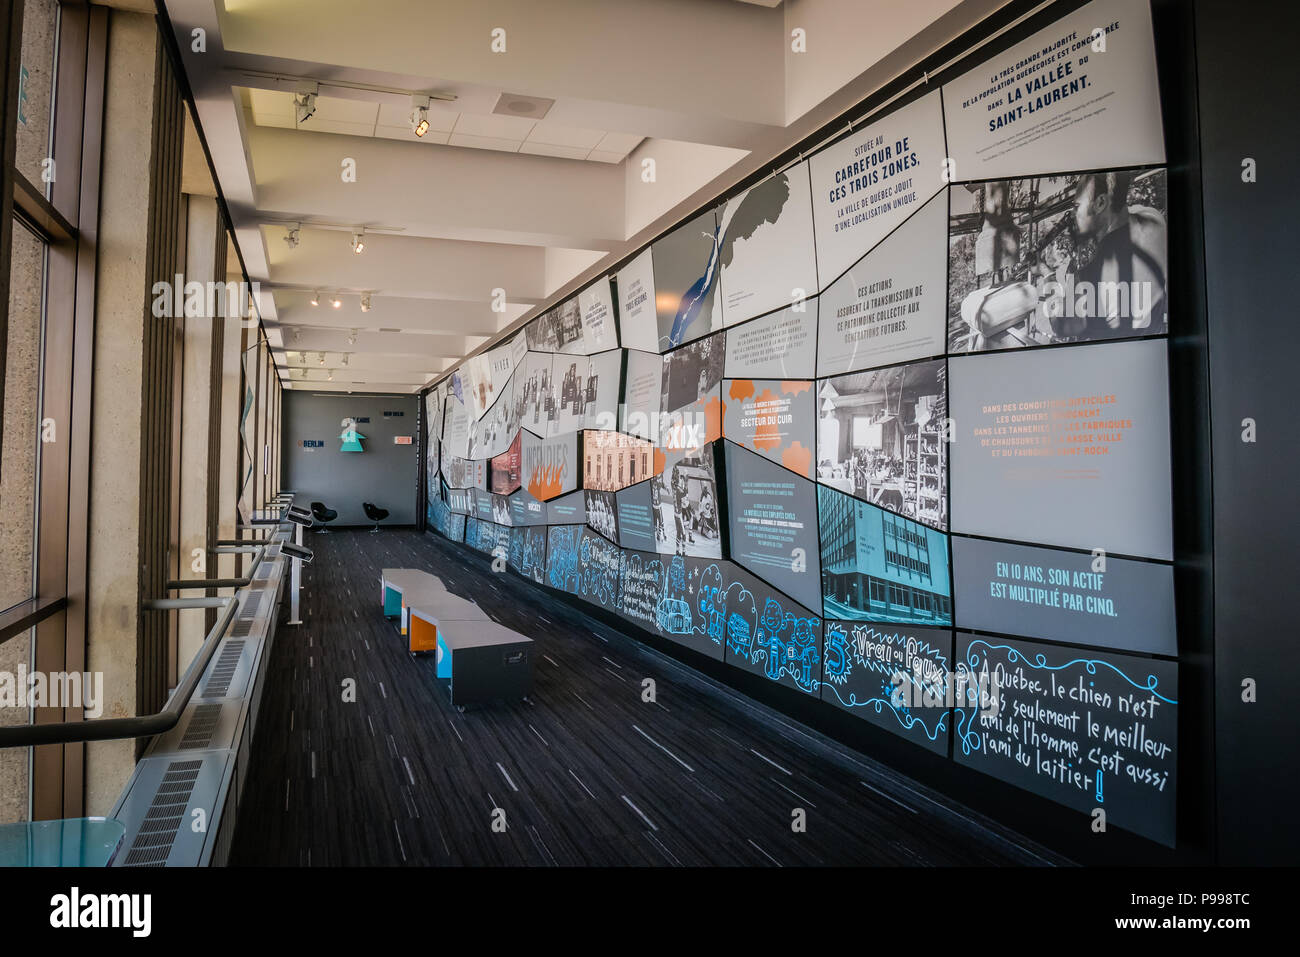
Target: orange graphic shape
point(798, 459)
point(660, 461)
point(795, 387)
point(546, 483)
point(712, 418)
point(741, 389)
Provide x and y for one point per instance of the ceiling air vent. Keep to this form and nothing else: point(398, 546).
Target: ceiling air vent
point(389, 330)
point(517, 104)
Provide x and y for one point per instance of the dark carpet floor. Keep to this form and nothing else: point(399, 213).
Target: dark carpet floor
point(586, 774)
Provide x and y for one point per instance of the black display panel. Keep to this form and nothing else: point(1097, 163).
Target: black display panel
point(528, 552)
point(582, 563)
point(566, 510)
point(1080, 598)
point(773, 524)
point(1086, 730)
point(526, 510)
point(487, 537)
point(898, 677)
point(765, 631)
point(636, 518)
point(661, 594)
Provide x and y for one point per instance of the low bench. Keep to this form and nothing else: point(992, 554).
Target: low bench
point(484, 661)
point(427, 610)
point(400, 586)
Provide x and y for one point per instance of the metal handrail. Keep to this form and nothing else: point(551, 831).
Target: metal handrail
point(140, 726)
point(177, 584)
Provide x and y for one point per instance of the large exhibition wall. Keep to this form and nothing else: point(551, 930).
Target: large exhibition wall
point(889, 428)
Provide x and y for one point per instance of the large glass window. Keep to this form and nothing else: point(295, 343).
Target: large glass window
point(36, 92)
point(21, 431)
point(19, 471)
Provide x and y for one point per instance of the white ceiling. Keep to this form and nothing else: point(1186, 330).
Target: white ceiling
point(484, 201)
point(447, 126)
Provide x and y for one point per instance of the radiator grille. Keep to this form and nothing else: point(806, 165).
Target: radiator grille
point(153, 842)
point(203, 724)
point(219, 680)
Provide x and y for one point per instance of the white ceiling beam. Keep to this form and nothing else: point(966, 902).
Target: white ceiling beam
point(443, 192)
point(637, 53)
point(410, 267)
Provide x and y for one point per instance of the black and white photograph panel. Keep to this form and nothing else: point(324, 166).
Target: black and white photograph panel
point(602, 513)
point(684, 500)
point(1056, 259)
point(692, 371)
point(880, 438)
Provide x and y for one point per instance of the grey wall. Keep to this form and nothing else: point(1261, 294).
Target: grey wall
point(385, 474)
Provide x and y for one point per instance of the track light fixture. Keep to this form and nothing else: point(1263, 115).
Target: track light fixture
point(304, 105)
point(365, 303)
point(419, 115)
point(322, 358)
point(359, 240)
point(345, 358)
point(352, 336)
point(293, 236)
point(336, 302)
point(315, 299)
